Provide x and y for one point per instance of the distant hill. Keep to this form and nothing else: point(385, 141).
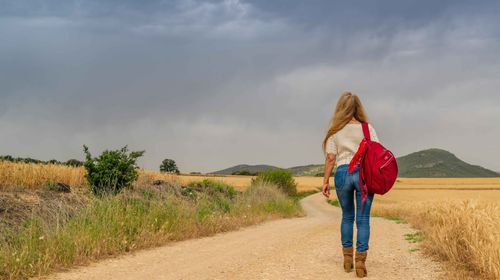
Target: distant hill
point(307, 170)
point(431, 163)
point(437, 163)
point(245, 167)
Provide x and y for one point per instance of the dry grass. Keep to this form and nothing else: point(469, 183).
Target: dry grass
point(147, 177)
point(241, 182)
point(144, 217)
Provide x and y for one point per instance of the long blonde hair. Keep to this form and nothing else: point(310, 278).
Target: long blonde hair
point(348, 106)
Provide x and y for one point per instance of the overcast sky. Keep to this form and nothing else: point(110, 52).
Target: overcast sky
point(212, 84)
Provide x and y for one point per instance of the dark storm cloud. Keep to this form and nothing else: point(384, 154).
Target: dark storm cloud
point(215, 83)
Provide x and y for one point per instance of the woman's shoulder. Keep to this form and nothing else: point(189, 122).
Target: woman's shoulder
point(373, 133)
point(332, 137)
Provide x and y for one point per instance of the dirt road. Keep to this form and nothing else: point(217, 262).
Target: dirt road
point(299, 248)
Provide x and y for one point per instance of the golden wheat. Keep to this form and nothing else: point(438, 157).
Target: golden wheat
point(465, 233)
point(29, 175)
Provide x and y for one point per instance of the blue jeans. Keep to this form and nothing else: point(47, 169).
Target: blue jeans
point(346, 187)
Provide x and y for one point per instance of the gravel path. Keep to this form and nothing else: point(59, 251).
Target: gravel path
point(298, 248)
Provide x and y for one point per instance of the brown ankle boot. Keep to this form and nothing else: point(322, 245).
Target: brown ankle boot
point(348, 263)
point(360, 264)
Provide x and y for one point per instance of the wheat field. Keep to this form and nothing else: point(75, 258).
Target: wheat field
point(30, 175)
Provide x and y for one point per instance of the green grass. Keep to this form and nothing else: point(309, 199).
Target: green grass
point(414, 237)
point(333, 202)
point(132, 220)
point(302, 194)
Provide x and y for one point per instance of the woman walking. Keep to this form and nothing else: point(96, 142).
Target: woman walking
point(340, 144)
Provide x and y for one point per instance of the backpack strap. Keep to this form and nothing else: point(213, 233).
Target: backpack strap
point(366, 131)
point(362, 184)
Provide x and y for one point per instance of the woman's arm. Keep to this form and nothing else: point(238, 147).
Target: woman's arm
point(329, 164)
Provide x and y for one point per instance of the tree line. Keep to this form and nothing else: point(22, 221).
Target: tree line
point(70, 162)
point(167, 165)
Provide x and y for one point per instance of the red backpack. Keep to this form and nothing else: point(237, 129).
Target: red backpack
point(378, 166)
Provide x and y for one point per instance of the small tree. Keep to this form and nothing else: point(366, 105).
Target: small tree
point(111, 171)
point(169, 166)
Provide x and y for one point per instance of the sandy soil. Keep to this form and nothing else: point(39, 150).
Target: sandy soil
point(299, 248)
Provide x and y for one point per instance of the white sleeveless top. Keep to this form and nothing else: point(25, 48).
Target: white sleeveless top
point(345, 142)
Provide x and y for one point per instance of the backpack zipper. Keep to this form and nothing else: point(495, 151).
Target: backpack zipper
point(387, 162)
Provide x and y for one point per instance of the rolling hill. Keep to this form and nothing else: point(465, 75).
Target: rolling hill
point(307, 170)
point(245, 167)
point(437, 163)
point(430, 163)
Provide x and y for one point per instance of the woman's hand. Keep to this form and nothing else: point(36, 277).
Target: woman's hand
point(326, 189)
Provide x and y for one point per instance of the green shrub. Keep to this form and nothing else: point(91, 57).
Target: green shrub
point(283, 179)
point(111, 171)
point(212, 188)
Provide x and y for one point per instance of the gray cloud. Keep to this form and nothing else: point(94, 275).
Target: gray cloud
point(215, 83)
